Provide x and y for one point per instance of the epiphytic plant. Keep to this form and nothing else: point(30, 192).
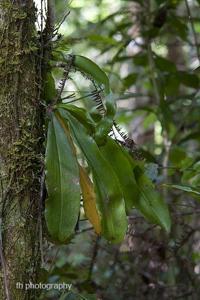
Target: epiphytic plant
point(116, 181)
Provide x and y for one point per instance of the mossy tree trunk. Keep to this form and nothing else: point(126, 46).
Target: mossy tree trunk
point(21, 149)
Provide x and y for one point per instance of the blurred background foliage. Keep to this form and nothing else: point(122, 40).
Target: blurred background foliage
point(151, 51)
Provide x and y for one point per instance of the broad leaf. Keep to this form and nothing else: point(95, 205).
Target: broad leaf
point(164, 64)
point(62, 182)
point(150, 203)
point(116, 156)
point(90, 68)
point(81, 115)
point(89, 200)
point(130, 80)
point(188, 79)
point(110, 202)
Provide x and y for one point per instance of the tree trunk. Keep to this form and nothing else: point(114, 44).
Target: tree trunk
point(20, 150)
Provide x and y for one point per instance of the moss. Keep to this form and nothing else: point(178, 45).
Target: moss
point(21, 140)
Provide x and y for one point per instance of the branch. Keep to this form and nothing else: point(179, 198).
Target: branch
point(50, 16)
point(193, 29)
point(94, 256)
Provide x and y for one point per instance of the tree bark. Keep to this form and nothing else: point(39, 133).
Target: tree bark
point(21, 150)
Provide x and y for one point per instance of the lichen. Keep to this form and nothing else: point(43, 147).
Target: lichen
point(21, 143)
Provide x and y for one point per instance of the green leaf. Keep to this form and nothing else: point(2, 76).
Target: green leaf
point(177, 155)
point(89, 67)
point(150, 203)
point(110, 201)
point(194, 180)
point(105, 124)
point(81, 115)
point(49, 89)
point(105, 40)
point(140, 59)
point(188, 79)
point(164, 64)
point(178, 26)
point(194, 135)
point(170, 83)
point(62, 182)
point(130, 80)
point(117, 157)
point(184, 188)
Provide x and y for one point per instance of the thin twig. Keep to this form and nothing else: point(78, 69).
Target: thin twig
point(65, 77)
point(152, 73)
point(42, 195)
point(94, 256)
point(61, 22)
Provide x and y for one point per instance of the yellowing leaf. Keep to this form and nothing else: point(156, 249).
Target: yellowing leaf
point(109, 194)
point(89, 200)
